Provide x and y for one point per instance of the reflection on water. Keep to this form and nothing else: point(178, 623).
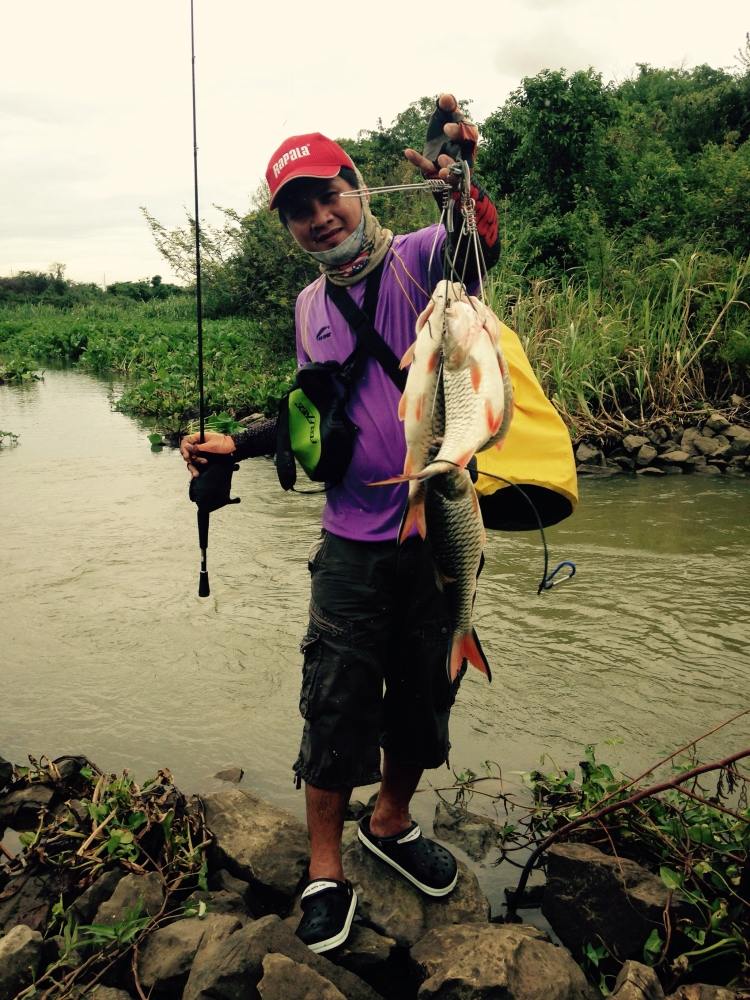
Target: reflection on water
point(107, 650)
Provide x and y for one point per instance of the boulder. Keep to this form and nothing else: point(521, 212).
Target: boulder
point(646, 454)
point(284, 979)
point(588, 455)
point(20, 808)
point(706, 445)
point(688, 438)
point(717, 422)
point(231, 774)
point(20, 953)
point(700, 991)
point(637, 982)
point(475, 835)
point(166, 957)
point(108, 993)
point(590, 896)
point(231, 969)
point(632, 442)
point(508, 961)
point(221, 901)
point(258, 842)
point(740, 439)
point(373, 957)
point(392, 906)
point(707, 470)
point(131, 891)
point(84, 908)
point(650, 470)
point(674, 457)
point(6, 772)
point(26, 899)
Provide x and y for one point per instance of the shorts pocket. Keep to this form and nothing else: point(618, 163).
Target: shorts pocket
point(312, 650)
point(317, 549)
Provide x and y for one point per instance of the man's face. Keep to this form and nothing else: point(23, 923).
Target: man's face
point(317, 217)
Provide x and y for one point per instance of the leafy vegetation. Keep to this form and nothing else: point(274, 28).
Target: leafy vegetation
point(691, 828)
point(105, 823)
point(625, 265)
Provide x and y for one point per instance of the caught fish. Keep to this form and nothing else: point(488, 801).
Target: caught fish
point(456, 533)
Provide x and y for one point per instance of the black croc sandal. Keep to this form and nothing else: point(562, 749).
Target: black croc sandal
point(427, 865)
point(328, 907)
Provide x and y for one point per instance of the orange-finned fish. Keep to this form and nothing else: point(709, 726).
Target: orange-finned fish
point(456, 533)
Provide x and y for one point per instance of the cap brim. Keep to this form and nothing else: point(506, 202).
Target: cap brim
point(320, 172)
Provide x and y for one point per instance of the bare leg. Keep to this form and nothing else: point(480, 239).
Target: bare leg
point(391, 814)
point(325, 823)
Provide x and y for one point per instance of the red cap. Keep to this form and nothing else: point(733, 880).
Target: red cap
point(311, 155)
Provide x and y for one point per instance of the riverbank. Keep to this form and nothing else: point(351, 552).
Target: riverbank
point(115, 887)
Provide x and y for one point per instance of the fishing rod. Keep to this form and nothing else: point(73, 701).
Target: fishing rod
point(211, 488)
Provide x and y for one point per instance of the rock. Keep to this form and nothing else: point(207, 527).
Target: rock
point(394, 907)
point(658, 435)
point(632, 442)
point(167, 955)
point(373, 957)
point(258, 842)
point(222, 880)
point(707, 470)
point(688, 437)
point(231, 969)
point(646, 454)
point(20, 808)
point(284, 979)
point(717, 422)
point(740, 438)
point(221, 901)
point(233, 774)
point(108, 993)
point(637, 982)
point(650, 470)
point(6, 772)
point(26, 899)
point(132, 890)
point(700, 991)
point(626, 463)
point(84, 908)
point(707, 432)
point(69, 767)
point(20, 952)
point(674, 456)
point(598, 471)
point(706, 445)
point(474, 834)
point(508, 961)
point(736, 400)
point(590, 896)
point(588, 455)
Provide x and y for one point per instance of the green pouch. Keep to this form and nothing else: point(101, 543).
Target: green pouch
point(314, 428)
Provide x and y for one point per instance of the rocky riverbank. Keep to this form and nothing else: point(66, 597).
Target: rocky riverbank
point(708, 444)
point(117, 891)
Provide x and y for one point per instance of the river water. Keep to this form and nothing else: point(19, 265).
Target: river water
point(106, 650)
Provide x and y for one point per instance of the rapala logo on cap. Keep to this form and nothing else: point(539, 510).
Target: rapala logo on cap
point(296, 153)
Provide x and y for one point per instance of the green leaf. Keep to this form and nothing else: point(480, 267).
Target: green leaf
point(671, 879)
point(653, 946)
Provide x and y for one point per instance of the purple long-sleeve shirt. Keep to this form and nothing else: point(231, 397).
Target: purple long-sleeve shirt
point(354, 509)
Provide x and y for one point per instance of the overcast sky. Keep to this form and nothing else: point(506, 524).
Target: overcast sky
point(95, 112)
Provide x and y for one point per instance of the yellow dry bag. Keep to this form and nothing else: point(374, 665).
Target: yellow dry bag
point(537, 455)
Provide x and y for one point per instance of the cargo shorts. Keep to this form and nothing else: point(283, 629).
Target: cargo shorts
point(374, 662)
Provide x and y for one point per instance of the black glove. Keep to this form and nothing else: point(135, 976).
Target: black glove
point(437, 142)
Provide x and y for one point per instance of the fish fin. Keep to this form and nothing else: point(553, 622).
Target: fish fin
point(392, 481)
point(464, 460)
point(402, 406)
point(414, 517)
point(494, 417)
point(419, 409)
point(476, 375)
point(432, 361)
point(468, 647)
point(408, 463)
point(408, 356)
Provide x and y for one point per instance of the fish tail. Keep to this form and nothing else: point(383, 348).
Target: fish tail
point(414, 517)
point(466, 646)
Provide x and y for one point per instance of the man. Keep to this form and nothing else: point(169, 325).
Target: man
point(376, 615)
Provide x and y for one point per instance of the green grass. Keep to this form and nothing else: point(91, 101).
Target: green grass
point(652, 341)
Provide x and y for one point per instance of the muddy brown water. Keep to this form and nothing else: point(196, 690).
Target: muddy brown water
point(106, 649)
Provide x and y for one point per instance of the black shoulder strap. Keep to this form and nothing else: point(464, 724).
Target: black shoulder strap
point(362, 325)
